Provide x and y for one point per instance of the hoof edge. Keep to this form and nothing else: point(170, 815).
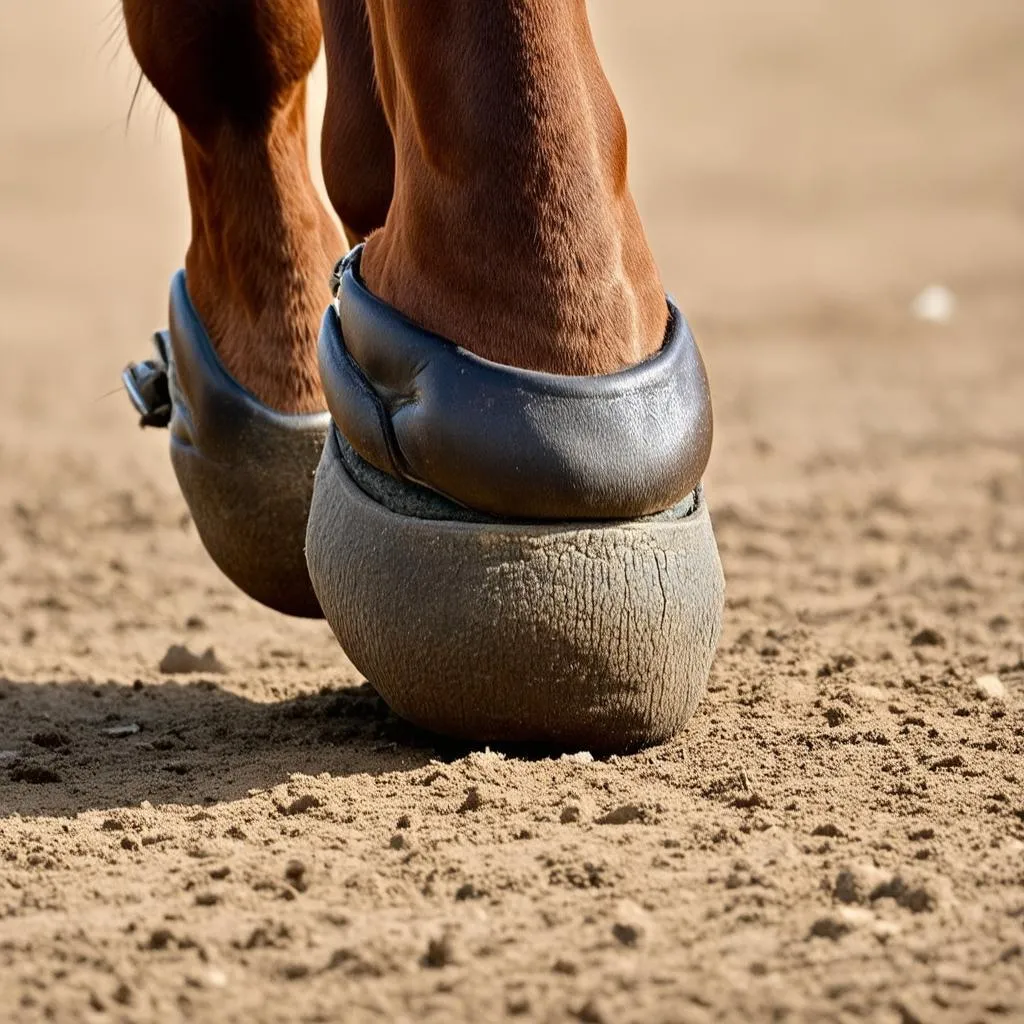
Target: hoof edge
point(585, 636)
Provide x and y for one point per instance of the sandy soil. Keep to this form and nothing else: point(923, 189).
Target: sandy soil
point(839, 835)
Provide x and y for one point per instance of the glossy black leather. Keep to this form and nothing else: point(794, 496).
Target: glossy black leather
point(512, 442)
point(212, 411)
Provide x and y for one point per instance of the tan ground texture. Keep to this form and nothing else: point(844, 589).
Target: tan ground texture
point(838, 836)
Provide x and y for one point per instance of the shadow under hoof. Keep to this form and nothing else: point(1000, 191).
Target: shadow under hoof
point(68, 747)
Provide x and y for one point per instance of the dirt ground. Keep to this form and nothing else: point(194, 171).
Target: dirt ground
point(838, 836)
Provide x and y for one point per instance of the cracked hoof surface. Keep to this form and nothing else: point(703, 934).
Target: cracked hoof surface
point(595, 636)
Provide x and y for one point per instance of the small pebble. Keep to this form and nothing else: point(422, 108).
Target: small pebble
point(581, 756)
point(120, 731)
point(179, 660)
point(936, 304)
point(990, 688)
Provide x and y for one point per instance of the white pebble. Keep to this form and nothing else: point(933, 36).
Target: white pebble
point(990, 688)
point(935, 305)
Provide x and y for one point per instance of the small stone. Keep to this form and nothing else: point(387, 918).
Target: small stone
point(990, 688)
point(219, 874)
point(935, 304)
point(120, 731)
point(570, 814)
point(581, 757)
point(179, 660)
point(397, 841)
point(207, 899)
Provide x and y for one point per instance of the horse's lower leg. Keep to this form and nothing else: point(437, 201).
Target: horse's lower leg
point(357, 150)
point(512, 230)
point(262, 244)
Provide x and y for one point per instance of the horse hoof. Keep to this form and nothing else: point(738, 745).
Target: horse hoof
point(592, 636)
point(245, 470)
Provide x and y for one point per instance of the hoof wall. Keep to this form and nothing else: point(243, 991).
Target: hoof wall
point(596, 636)
point(251, 517)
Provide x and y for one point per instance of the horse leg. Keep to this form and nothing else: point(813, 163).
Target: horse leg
point(512, 547)
point(357, 150)
point(236, 379)
point(234, 73)
point(512, 189)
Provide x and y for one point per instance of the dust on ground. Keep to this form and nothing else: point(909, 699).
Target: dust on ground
point(838, 836)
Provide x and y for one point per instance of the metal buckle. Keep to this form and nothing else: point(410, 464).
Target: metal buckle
point(148, 388)
point(340, 267)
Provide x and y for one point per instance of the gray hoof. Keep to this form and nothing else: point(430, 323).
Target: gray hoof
point(245, 470)
point(251, 517)
point(594, 636)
